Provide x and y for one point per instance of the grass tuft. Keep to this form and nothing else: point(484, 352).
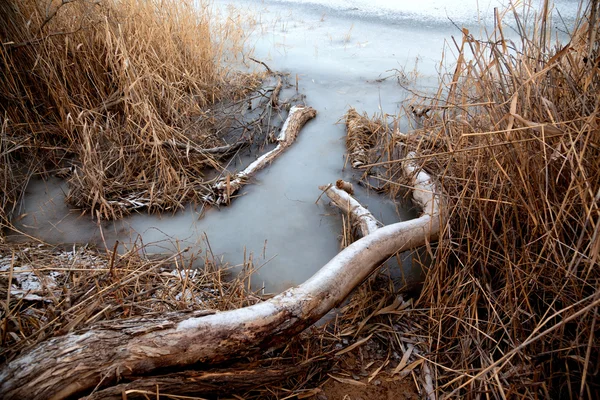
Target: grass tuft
point(115, 91)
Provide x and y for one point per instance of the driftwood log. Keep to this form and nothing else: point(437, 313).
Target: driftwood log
point(79, 363)
point(367, 223)
point(230, 184)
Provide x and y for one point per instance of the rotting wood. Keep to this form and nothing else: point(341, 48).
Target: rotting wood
point(76, 363)
point(229, 185)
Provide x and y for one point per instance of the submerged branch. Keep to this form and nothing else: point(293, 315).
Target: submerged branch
point(231, 184)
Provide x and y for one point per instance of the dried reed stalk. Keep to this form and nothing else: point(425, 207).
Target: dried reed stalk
point(510, 301)
point(362, 133)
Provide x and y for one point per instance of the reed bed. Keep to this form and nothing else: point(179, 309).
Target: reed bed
point(509, 307)
point(118, 95)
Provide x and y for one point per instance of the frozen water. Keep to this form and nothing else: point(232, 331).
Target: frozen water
point(339, 50)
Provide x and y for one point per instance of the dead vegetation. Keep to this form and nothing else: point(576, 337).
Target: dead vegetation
point(361, 137)
point(118, 96)
point(54, 291)
point(510, 303)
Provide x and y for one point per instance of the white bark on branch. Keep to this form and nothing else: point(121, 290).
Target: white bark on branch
point(423, 195)
point(366, 221)
point(76, 363)
point(229, 185)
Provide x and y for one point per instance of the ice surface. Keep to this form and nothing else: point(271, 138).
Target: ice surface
point(339, 50)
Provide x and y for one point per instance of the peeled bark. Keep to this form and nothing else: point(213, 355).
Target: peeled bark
point(76, 363)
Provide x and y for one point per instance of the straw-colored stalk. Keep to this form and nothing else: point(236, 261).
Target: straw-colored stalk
point(362, 134)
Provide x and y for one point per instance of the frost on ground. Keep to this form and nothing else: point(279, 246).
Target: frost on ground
point(42, 280)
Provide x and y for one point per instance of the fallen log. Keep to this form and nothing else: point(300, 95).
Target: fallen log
point(76, 363)
point(229, 185)
point(368, 224)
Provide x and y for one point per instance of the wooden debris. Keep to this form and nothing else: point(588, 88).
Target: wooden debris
point(231, 184)
point(345, 186)
point(101, 356)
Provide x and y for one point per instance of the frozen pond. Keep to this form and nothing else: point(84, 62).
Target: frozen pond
point(339, 50)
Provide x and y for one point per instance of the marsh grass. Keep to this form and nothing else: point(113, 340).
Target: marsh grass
point(509, 307)
point(511, 299)
point(104, 88)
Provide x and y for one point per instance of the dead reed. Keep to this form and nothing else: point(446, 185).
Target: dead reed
point(118, 92)
point(510, 302)
point(362, 136)
point(54, 291)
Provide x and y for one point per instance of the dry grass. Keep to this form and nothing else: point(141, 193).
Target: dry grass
point(510, 304)
point(511, 300)
point(119, 91)
point(363, 133)
point(56, 291)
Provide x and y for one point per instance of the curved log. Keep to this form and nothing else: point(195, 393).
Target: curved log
point(76, 363)
point(367, 223)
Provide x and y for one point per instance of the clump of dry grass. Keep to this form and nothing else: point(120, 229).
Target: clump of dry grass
point(120, 91)
point(512, 296)
point(49, 291)
point(362, 136)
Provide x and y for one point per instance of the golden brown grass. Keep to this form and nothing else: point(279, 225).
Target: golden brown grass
point(363, 133)
point(510, 303)
point(56, 291)
point(121, 89)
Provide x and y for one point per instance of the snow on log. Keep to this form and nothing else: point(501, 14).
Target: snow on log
point(76, 363)
point(229, 185)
